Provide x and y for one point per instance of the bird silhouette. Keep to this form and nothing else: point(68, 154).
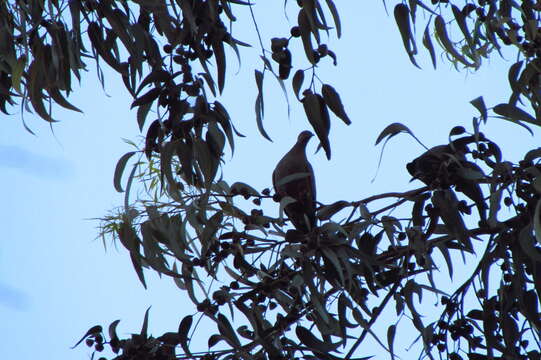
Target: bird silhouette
point(294, 177)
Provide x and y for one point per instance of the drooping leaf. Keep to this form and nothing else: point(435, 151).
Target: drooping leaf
point(227, 331)
point(463, 26)
point(259, 105)
point(225, 122)
point(142, 112)
point(17, 73)
point(318, 116)
point(512, 76)
point(333, 101)
point(138, 267)
point(337, 267)
point(219, 55)
point(61, 100)
point(119, 170)
point(335, 16)
point(206, 161)
point(537, 222)
point(166, 159)
point(427, 43)
point(391, 332)
point(297, 81)
point(441, 31)
point(306, 36)
point(36, 98)
point(402, 17)
point(446, 202)
point(183, 330)
point(308, 339)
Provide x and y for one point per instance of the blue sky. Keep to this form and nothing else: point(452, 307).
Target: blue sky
point(56, 280)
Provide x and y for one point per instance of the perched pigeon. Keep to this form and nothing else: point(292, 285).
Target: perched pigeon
point(444, 166)
point(294, 177)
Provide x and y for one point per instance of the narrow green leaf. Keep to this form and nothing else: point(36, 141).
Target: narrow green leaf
point(36, 94)
point(227, 331)
point(402, 17)
point(329, 254)
point(308, 339)
point(119, 170)
point(183, 330)
point(219, 55)
point(17, 73)
point(61, 100)
point(427, 43)
point(259, 76)
point(166, 158)
point(225, 122)
point(537, 222)
point(259, 105)
point(144, 328)
point(184, 326)
point(391, 332)
point(306, 36)
point(297, 81)
point(441, 31)
point(447, 203)
point(333, 101)
point(445, 252)
point(136, 262)
point(259, 118)
point(335, 17)
point(142, 112)
point(462, 24)
point(207, 162)
point(318, 116)
point(512, 76)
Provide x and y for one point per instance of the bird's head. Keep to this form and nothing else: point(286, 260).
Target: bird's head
point(304, 137)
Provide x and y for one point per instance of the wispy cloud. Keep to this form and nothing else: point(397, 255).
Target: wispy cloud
point(34, 164)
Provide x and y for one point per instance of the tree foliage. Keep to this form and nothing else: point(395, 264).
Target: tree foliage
point(295, 295)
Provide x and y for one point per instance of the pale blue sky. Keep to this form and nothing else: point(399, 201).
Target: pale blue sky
point(56, 281)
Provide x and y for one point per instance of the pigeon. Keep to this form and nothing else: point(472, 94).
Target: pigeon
point(294, 177)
